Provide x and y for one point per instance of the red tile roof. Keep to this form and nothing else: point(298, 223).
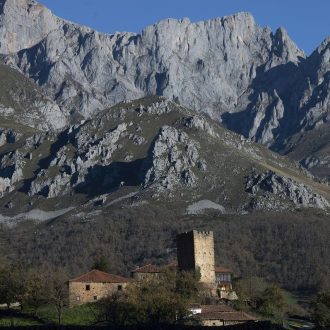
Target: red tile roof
point(223, 270)
point(222, 312)
point(97, 276)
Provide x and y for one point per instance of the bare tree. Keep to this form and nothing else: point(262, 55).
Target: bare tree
point(58, 292)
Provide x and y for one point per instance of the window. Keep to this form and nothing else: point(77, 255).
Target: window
point(223, 278)
point(88, 287)
point(95, 297)
point(78, 298)
point(120, 287)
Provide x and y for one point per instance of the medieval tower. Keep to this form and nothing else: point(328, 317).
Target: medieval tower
point(195, 250)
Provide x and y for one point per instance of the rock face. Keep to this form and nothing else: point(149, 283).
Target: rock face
point(11, 165)
point(271, 183)
point(171, 58)
point(24, 23)
point(155, 150)
point(258, 83)
point(173, 158)
point(91, 159)
point(8, 136)
point(22, 102)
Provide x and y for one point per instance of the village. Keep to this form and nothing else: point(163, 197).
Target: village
point(195, 252)
point(191, 291)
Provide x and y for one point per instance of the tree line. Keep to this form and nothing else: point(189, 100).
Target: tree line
point(290, 249)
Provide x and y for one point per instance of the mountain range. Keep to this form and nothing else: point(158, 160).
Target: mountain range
point(215, 119)
point(258, 83)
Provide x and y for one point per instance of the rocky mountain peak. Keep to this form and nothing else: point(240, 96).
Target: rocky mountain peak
point(285, 48)
point(320, 58)
point(23, 24)
point(258, 83)
point(324, 45)
point(169, 58)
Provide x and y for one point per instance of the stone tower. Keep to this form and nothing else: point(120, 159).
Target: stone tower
point(195, 250)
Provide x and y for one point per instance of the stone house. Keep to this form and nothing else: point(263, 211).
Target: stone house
point(94, 286)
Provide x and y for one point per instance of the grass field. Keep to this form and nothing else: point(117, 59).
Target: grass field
point(80, 315)
point(8, 321)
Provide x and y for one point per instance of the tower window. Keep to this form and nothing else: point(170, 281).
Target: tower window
point(88, 287)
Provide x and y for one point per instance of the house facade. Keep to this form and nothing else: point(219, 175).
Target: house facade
point(223, 277)
point(94, 286)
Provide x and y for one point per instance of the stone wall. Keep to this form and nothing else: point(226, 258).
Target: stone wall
point(212, 323)
point(82, 293)
point(186, 251)
point(204, 255)
point(145, 276)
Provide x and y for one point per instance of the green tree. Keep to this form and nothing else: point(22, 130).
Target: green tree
point(271, 302)
point(157, 301)
point(187, 284)
point(248, 291)
point(12, 285)
point(320, 309)
point(117, 311)
point(37, 290)
point(101, 264)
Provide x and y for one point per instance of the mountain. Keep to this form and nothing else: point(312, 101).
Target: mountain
point(115, 143)
point(256, 82)
point(311, 145)
point(158, 149)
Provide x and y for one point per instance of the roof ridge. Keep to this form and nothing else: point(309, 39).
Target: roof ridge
point(103, 277)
